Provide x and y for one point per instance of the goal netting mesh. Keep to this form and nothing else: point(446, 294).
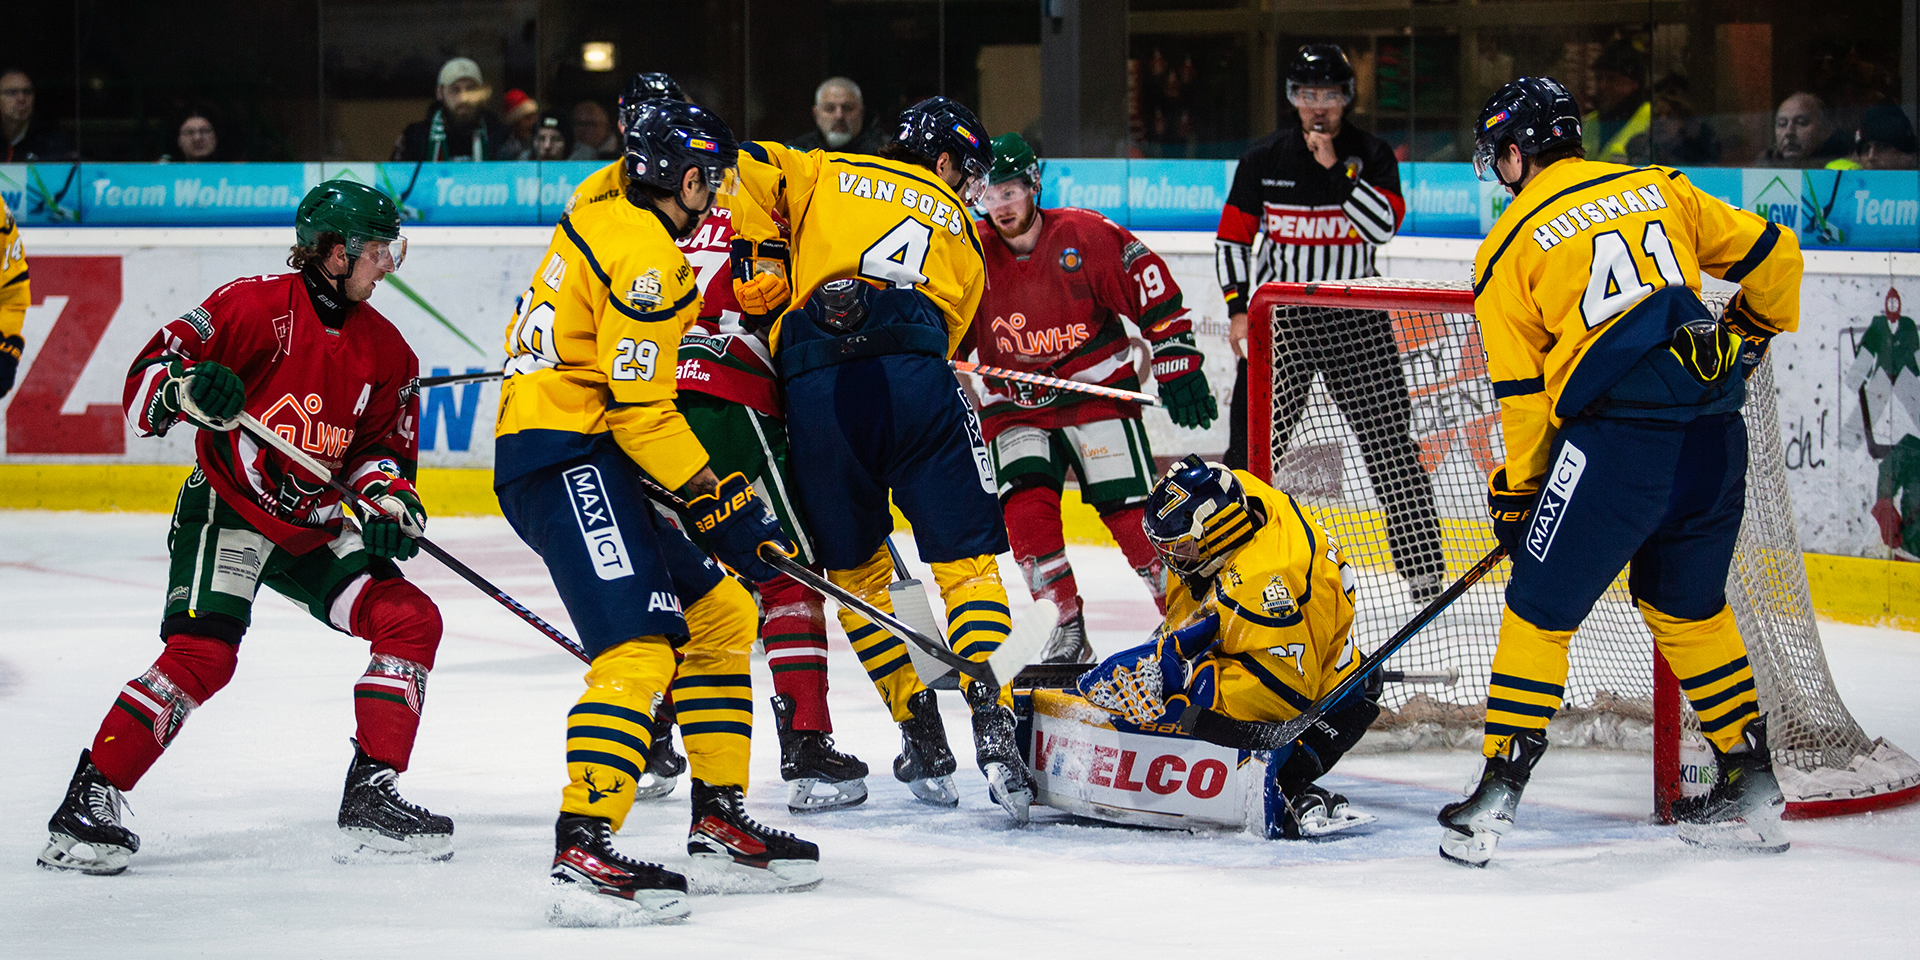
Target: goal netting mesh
point(1369, 402)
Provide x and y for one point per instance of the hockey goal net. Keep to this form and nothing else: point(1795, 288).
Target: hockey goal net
point(1369, 402)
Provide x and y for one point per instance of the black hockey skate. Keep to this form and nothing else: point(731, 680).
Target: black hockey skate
point(809, 762)
point(85, 834)
point(664, 763)
point(998, 753)
point(1315, 811)
point(373, 813)
point(1742, 812)
point(723, 831)
point(1476, 824)
point(1068, 644)
point(926, 763)
point(599, 887)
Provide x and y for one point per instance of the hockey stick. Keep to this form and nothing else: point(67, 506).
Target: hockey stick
point(422, 382)
point(1215, 727)
point(910, 605)
point(262, 432)
point(1058, 383)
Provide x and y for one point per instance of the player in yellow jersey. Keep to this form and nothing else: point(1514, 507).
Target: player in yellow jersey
point(14, 297)
point(610, 182)
point(1259, 605)
point(884, 277)
point(1620, 401)
point(588, 397)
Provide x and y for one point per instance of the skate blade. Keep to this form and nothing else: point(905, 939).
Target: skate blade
point(1738, 836)
point(938, 791)
point(1328, 826)
point(1016, 801)
point(802, 798)
point(580, 905)
point(376, 847)
point(104, 860)
point(783, 876)
point(653, 787)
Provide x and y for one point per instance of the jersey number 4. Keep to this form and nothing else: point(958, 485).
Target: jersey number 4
point(1615, 283)
point(899, 258)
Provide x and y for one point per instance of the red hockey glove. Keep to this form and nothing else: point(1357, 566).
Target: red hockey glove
point(390, 533)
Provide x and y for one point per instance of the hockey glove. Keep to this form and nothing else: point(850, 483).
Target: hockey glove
point(1892, 525)
point(206, 394)
point(1509, 511)
point(10, 350)
point(736, 522)
point(760, 278)
point(1184, 388)
point(1707, 350)
point(391, 533)
point(1147, 684)
point(1753, 333)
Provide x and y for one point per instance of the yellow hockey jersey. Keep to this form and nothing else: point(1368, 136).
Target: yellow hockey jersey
point(1586, 272)
point(1288, 593)
point(593, 345)
point(607, 183)
point(14, 295)
point(892, 223)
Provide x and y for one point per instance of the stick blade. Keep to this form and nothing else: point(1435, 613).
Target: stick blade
point(1025, 642)
point(911, 605)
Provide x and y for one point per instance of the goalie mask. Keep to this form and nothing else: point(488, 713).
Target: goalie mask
point(1197, 517)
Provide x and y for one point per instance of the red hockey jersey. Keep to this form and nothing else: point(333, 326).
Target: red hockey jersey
point(1056, 311)
point(345, 396)
point(707, 250)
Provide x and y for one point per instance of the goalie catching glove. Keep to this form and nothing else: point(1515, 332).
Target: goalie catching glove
point(760, 279)
point(206, 394)
point(1147, 684)
point(1184, 388)
point(391, 532)
point(736, 522)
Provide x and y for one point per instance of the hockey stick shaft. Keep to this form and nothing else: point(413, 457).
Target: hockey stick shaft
point(423, 382)
point(1058, 383)
point(1271, 736)
point(886, 621)
point(267, 435)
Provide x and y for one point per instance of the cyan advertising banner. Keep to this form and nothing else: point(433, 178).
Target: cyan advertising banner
point(1857, 209)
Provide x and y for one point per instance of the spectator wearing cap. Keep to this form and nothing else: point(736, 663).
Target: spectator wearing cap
point(22, 139)
point(839, 120)
point(523, 113)
point(549, 140)
point(1885, 141)
point(594, 135)
point(458, 125)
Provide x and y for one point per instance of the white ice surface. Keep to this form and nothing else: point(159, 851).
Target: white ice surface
point(237, 820)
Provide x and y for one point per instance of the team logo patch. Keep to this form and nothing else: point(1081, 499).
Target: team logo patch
point(1277, 600)
point(201, 321)
point(1561, 482)
point(1496, 118)
point(1131, 254)
point(1070, 260)
point(645, 292)
point(606, 549)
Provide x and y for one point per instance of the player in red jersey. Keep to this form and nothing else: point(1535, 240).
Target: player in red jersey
point(305, 354)
point(1059, 281)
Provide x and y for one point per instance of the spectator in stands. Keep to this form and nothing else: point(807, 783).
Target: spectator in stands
point(458, 125)
point(594, 136)
point(196, 138)
point(523, 113)
point(22, 139)
point(549, 140)
point(839, 120)
point(1623, 111)
point(1803, 134)
point(1677, 136)
point(1885, 139)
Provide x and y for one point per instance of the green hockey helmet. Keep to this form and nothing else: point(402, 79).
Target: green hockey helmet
point(1012, 157)
point(355, 211)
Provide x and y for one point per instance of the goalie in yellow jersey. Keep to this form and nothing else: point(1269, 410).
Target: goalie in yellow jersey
point(589, 396)
point(1620, 400)
point(1259, 607)
point(884, 276)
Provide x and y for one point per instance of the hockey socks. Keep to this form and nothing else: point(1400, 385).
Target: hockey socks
point(1529, 681)
point(1711, 662)
point(152, 707)
point(882, 654)
point(794, 630)
point(403, 629)
point(1033, 530)
point(1124, 524)
point(609, 731)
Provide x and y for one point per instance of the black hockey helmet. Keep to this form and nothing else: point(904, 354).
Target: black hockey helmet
point(938, 125)
point(1197, 516)
point(668, 136)
point(1319, 65)
point(642, 87)
point(1535, 114)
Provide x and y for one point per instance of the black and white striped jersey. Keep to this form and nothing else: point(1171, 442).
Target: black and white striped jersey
point(1309, 222)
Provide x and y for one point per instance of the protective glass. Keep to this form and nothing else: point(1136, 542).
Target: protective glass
point(1484, 154)
point(1013, 193)
point(972, 182)
point(725, 181)
point(388, 255)
point(1317, 97)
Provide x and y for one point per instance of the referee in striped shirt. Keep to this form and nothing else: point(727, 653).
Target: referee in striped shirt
point(1317, 198)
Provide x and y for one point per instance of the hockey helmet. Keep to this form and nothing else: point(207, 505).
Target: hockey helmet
point(1533, 113)
point(667, 137)
point(1014, 158)
point(357, 213)
point(1319, 65)
point(642, 87)
point(1197, 516)
point(938, 125)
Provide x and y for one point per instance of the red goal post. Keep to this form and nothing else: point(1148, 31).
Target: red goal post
point(1320, 379)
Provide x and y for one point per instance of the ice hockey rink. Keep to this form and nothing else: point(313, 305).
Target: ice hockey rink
point(238, 842)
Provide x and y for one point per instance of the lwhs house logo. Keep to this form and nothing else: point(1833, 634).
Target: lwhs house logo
point(1881, 380)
